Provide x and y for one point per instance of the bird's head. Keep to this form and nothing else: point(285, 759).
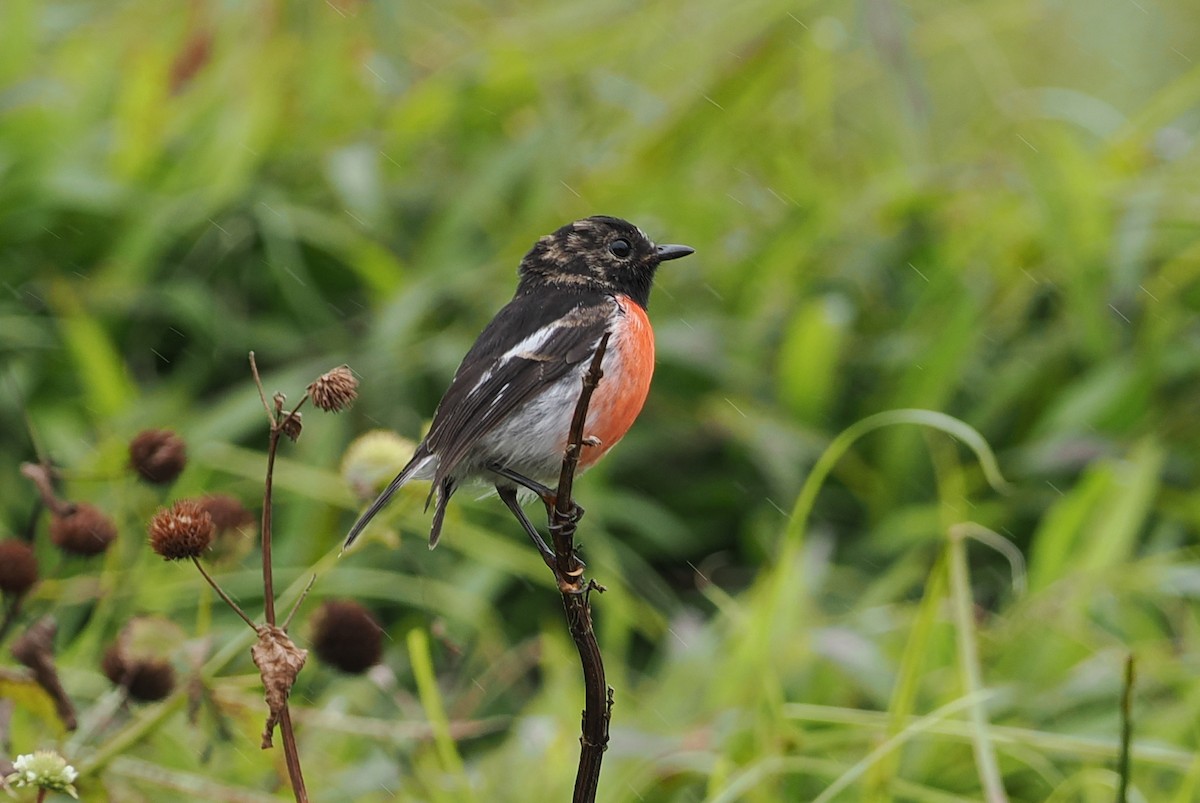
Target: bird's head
point(597, 253)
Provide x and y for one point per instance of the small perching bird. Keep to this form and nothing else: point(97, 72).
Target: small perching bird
point(506, 415)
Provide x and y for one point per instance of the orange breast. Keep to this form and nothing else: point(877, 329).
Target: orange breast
point(628, 368)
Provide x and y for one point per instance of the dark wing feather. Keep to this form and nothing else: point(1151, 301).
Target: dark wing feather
point(489, 386)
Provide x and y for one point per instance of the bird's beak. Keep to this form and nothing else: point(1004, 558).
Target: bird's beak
point(666, 252)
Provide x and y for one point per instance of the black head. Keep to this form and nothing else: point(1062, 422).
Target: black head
point(597, 253)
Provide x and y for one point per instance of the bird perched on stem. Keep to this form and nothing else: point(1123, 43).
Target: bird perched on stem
point(506, 415)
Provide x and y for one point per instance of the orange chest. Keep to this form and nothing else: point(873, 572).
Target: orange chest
point(628, 369)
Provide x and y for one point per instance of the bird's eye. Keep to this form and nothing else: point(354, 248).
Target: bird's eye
point(620, 248)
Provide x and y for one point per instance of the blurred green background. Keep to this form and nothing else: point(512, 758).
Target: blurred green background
point(986, 209)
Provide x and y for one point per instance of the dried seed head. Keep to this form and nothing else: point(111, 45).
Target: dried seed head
point(335, 390)
point(158, 455)
point(85, 530)
point(139, 659)
point(292, 425)
point(183, 531)
point(227, 512)
point(345, 635)
point(373, 459)
point(236, 528)
point(18, 567)
point(145, 680)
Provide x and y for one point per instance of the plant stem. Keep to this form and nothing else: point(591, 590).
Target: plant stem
point(268, 489)
point(221, 593)
point(291, 754)
point(963, 603)
point(564, 517)
point(1123, 763)
point(290, 751)
point(41, 475)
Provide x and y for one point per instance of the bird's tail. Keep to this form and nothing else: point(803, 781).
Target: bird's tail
point(445, 489)
point(414, 467)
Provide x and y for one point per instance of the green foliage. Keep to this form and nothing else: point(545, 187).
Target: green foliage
point(987, 211)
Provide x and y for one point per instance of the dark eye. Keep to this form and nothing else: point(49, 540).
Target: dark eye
point(620, 248)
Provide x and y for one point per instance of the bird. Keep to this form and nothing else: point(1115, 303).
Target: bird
point(505, 417)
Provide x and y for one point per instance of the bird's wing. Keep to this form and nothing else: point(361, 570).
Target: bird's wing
point(530, 344)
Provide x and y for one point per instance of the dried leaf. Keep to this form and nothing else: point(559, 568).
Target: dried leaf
point(279, 661)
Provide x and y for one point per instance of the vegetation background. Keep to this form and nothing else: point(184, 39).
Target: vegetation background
point(987, 209)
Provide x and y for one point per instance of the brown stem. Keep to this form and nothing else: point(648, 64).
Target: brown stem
point(291, 754)
point(290, 751)
point(299, 601)
point(268, 577)
point(35, 649)
point(262, 393)
point(42, 478)
point(221, 593)
point(564, 517)
point(299, 404)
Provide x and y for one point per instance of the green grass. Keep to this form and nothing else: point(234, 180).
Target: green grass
point(986, 211)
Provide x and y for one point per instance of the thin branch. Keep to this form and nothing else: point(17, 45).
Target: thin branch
point(275, 417)
point(221, 593)
point(299, 404)
point(42, 478)
point(262, 394)
point(564, 517)
point(299, 601)
point(268, 491)
point(566, 478)
point(291, 754)
point(35, 649)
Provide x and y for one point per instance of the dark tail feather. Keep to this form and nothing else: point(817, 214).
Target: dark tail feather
point(445, 490)
point(403, 477)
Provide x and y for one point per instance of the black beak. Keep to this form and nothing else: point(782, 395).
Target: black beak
point(666, 252)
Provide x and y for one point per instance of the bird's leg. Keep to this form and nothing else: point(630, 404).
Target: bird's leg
point(548, 495)
point(508, 495)
point(549, 498)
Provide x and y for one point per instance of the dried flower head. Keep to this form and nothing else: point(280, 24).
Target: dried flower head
point(334, 390)
point(139, 659)
point(227, 512)
point(236, 528)
point(184, 530)
point(44, 769)
point(158, 455)
point(83, 530)
point(292, 425)
point(145, 679)
point(18, 567)
point(345, 635)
